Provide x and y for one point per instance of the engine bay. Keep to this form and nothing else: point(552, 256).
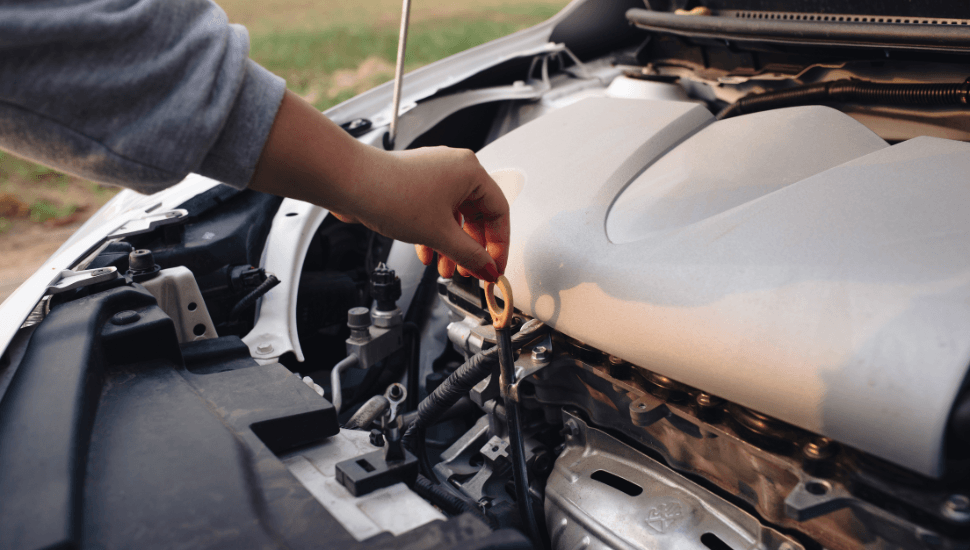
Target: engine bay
point(740, 323)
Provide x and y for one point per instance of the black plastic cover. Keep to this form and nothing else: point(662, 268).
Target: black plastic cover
point(370, 472)
point(112, 436)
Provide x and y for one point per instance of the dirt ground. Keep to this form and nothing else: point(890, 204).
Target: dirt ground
point(25, 247)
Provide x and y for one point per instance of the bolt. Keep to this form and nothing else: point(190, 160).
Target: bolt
point(707, 400)
point(570, 429)
point(377, 438)
point(263, 349)
point(957, 508)
point(819, 448)
point(540, 354)
point(614, 360)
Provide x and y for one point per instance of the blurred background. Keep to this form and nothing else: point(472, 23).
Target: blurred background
point(327, 50)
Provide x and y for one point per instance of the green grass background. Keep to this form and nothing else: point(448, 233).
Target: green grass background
point(308, 59)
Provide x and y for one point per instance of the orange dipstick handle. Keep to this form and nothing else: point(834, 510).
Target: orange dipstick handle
point(500, 318)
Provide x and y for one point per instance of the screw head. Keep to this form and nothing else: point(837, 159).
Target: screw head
point(708, 400)
point(540, 354)
point(819, 448)
point(263, 349)
point(957, 508)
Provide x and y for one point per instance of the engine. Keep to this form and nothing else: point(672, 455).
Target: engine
point(740, 320)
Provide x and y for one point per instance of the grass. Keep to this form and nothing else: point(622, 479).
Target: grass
point(310, 60)
point(270, 16)
point(328, 52)
point(41, 211)
point(30, 192)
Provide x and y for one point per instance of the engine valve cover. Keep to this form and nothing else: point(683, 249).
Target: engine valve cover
point(790, 261)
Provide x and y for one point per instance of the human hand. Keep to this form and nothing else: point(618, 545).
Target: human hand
point(443, 200)
point(440, 199)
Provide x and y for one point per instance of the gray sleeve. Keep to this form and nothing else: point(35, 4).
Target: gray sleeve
point(135, 93)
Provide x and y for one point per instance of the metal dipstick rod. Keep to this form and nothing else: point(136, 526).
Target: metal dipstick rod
point(402, 42)
point(502, 321)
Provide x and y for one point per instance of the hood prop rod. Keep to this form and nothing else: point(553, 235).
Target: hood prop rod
point(402, 41)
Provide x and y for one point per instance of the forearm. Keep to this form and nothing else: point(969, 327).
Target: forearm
point(308, 157)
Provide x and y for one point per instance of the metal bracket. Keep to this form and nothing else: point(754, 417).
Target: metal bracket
point(178, 294)
point(149, 223)
point(69, 280)
point(813, 497)
point(469, 335)
point(381, 343)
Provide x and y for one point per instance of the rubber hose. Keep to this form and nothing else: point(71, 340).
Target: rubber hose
point(367, 413)
point(452, 504)
point(852, 91)
point(250, 299)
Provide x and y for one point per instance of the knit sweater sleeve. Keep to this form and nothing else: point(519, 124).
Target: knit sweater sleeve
point(136, 93)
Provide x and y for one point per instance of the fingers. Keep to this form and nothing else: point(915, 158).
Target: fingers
point(487, 210)
point(468, 253)
point(446, 266)
point(474, 231)
point(343, 218)
point(425, 253)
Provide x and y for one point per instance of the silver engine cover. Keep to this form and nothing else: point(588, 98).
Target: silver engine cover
point(790, 261)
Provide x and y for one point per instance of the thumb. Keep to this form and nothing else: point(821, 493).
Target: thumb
point(470, 254)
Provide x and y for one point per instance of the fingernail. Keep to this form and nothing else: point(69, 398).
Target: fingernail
point(492, 273)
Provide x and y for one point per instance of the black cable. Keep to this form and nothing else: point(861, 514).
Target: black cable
point(250, 299)
point(452, 504)
point(852, 91)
